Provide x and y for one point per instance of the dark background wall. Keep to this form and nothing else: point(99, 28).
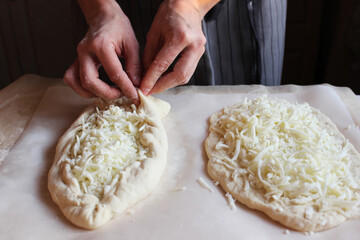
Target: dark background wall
point(322, 40)
point(37, 36)
point(323, 43)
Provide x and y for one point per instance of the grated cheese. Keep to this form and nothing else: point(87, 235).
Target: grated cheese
point(285, 149)
point(179, 189)
point(204, 184)
point(231, 201)
point(104, 145)
point(309, 233)
point(130, 212)
point(348, 127)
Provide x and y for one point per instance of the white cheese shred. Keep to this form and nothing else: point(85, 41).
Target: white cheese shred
point(130, 212)
point(231, 201)
point(204, 184)
point(179, 189)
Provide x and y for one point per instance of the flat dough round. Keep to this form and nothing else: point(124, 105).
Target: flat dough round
point(237, 177)
point(137, 179)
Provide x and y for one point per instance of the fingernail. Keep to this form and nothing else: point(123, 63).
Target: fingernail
point(135, 101)
point(136, 81)
point(145, 91)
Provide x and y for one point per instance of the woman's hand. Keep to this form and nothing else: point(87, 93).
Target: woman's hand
point(175, 32)
point(109, 37)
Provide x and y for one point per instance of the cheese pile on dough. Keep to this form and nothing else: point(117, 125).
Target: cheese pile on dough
point(288, 160)
point(108, 142)
point(112, 156)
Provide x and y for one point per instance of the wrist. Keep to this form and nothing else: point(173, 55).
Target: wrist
point(204, 6)
point(200, 6)
point(98, 9)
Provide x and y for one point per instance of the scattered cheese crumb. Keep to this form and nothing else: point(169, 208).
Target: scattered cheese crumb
point(348, 127)
point(323, 222)
point(286, 232)
point(309, 233)
point(279, 209)
point(230, 201)
point(130, 212)
point(309, 212)
point(216, 183)
point(204, 184)
point(179, 189)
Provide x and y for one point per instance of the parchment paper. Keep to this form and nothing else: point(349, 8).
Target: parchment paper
point(18, 102)
point(27, 211)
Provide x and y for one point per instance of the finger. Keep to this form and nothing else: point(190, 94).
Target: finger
point(72, 79)
point(132, 62)
point(89, 77)
point(161, 63)
point(113, 68)
point(183, 70)
point(152, 47)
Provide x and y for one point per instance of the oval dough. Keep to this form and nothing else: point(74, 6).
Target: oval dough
point(298, 217)
point(137, 181)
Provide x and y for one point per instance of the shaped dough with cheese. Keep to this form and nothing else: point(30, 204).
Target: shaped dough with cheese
point(112, 156)
point(286, 160)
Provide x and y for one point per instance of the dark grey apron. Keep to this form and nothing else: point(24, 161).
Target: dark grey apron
point(245, 40)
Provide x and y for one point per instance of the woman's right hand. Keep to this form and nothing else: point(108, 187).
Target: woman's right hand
point(109, 37)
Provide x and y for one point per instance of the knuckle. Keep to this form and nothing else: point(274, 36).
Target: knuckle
point(67, 79)
point(81, 46)
point(179, 36)
point(97, 44)
point(183, 36)
point(184, 81)
point(86, 83)
point(200, 42)
point(183, 77)
point(94, 44)
point(162, 66)
point(116, 78)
